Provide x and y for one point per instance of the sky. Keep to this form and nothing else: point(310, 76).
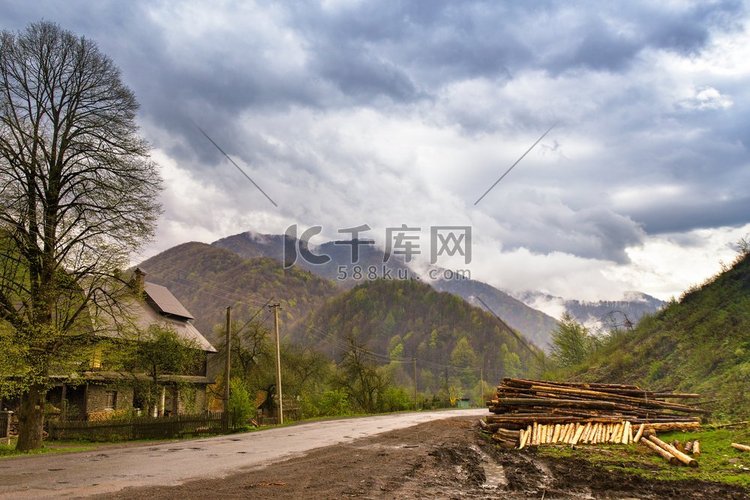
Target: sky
point(386, 113)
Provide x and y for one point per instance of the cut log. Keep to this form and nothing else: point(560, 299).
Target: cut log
point(542, 434)
point(685, 459)
point(527, 441)
point(688, 447)
point(616, 433)
point(506, 443)
point(578, 434)
point(556, 434)
point(696, 448)
point(741, 447)
point(522, 440)
point(566, 434)
point(659, 451)
point(625, 438)
point(587, 436)
point(629, 433)
point(638, 434)
point(597, 432)
point(586, 432)
point(673, 426)
point(571, 433)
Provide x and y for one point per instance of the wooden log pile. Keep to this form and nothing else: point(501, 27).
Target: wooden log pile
point(534, 412)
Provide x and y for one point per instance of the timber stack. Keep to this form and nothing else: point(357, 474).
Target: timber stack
point(534, 412)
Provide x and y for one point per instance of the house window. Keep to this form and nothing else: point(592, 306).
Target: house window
point(111, 400)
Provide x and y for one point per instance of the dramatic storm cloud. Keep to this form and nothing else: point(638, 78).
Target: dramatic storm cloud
point(386, 113)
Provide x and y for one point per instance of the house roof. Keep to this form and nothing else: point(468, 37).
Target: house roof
point(161, 308)
point(144, 315)
point(165, 302)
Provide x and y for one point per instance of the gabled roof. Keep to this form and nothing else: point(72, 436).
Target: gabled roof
point(144, 315)
point(160, 307)
point(165, 302)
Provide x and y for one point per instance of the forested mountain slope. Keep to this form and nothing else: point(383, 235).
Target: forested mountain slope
point(397, 320)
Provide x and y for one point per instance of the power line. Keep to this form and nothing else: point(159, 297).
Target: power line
point(524, 342)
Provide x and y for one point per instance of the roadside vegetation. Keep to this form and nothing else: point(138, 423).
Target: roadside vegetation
point(697, 344)
point(719, 462)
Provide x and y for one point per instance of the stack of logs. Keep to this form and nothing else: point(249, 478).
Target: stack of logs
point(534, 412)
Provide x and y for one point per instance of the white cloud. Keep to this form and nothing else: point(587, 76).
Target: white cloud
point(666, 265)
point(707, 98)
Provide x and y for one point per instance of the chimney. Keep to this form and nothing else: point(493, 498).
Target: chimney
point(137, 281)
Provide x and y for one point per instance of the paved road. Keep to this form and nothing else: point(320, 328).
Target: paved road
point(103, 471)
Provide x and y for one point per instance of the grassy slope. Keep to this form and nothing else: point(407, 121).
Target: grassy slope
point(701, 344)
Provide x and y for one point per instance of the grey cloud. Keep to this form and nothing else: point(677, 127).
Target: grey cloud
point(692, 213)
point(361, 75)
point(399, 59)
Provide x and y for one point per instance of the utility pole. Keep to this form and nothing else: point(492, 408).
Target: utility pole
point(481, 385)
point(227, 366)
point(414, 362)
point(275, 308)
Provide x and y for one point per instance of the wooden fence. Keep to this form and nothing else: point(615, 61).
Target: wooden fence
point(138, 428)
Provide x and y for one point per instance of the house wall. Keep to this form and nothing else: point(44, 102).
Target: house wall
point(186, 399)
point(97, 398)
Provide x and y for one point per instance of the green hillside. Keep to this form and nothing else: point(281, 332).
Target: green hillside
point(396, 320)
point(207, 279)
point(699, 344)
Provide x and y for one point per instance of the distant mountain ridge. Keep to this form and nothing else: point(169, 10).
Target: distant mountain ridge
point(612, 314)
point(533, 324)
point(602, 315)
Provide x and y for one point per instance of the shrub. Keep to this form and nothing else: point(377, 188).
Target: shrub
point(241, 408)
point(395, 399)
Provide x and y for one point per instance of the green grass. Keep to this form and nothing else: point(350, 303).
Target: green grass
point(8, 451)
point(718, 462)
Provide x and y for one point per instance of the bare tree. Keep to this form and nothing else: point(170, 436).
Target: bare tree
point(77, 196)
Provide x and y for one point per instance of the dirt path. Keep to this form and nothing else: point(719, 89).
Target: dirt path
point(439, 459)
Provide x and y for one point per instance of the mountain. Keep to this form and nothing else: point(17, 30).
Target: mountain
point(699, 344)
point(533, 324)
point(340, 268)
point(207, 279)
point(395, 320)
point(602, 315)
point(611, 314)
point(252, 245)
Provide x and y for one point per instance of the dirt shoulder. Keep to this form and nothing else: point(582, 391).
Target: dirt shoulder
point(439, 459)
